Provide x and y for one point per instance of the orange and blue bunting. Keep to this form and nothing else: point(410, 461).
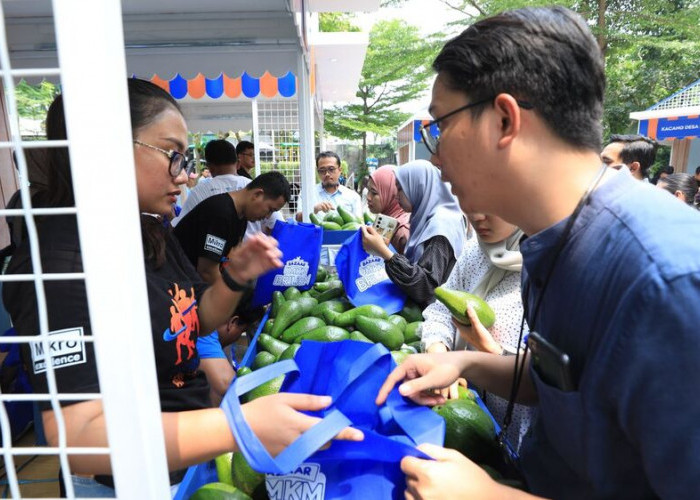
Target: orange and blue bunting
point(243, 86)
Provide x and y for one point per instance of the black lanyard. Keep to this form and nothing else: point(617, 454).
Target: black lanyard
point(519, 365)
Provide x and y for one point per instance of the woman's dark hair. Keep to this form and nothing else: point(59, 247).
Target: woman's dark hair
point(685, 183)
point(146, 103)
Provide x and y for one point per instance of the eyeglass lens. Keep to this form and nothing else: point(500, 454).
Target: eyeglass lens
point(429, 141)
point(178, 162)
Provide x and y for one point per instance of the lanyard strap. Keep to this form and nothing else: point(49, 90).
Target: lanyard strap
point(519, 365)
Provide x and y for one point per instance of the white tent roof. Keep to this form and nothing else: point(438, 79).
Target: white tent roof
point(208, 37)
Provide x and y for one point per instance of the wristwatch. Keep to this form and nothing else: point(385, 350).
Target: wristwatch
point(231, 283)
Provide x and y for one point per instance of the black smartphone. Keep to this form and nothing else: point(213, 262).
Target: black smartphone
point(552, 365)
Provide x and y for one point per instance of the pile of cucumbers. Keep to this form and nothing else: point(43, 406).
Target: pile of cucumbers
point(341, 220)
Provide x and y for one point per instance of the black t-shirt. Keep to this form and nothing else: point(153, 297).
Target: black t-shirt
point(173, 290)
point(211, 229)
point(243, 173)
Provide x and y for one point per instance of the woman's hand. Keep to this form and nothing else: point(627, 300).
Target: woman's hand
point(425, 373)
point(374, 243)
point(277, 419)
point(254, 257)
point(476, 334)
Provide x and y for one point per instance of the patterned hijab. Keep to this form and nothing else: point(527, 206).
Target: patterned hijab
point(385, 181)
point(435, 209)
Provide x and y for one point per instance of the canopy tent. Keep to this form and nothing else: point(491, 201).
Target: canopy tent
point(410, 143)
point(220, 56)
point(676, 121)
point(223, 49)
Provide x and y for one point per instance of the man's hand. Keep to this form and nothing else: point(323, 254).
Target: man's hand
point(254, 257)
point(425, 373)
point(450, 475)
point(374, 243)
point(476, 334)
point(450, 392)
point(277, 419)
point(324, 206)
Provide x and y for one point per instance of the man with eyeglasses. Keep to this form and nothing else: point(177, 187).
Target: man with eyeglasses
point(611, 275)
point(245, 150)
point(329, 194)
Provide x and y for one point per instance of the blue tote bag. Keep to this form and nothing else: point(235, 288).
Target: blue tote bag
point(351, 373)
point(300, 244)
point(364, 277)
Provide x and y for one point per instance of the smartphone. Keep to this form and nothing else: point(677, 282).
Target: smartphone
point(552, 365)
point(386, 226)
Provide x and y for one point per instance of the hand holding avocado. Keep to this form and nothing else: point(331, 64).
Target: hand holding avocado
point(476, 333)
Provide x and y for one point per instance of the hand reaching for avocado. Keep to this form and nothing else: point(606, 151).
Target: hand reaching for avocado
point(277, 419)
point(424, 373)
point(450, 475)
point(476, 334)
point(451, 392)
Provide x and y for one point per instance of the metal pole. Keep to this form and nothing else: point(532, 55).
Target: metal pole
point(97, 119)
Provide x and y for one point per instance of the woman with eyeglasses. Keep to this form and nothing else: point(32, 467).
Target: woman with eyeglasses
point(383, 198)
point(181, 307)
point(438, 233)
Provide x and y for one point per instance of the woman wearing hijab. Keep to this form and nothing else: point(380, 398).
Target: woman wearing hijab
point(383, 198)
point(438, 233)
point(489, 267)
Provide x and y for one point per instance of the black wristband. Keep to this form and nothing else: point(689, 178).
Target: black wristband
point(231, 283)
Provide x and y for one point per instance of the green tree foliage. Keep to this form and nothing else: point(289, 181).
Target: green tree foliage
point(651, 47)
point(396, 70)
point(336, 21)
point(33, 101)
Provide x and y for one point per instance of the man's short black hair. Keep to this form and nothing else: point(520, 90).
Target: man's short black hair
point(697, 170)
point(220, 152)
point(273, 184)
point(328, 154)
point(637, 148)
point(244, 146)
point(545, 56)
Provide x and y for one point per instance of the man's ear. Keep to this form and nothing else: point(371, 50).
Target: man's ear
point(508, 113)
point(634, 166)
point(679, 195)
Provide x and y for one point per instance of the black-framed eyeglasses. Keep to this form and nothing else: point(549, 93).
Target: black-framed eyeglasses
point(324, 171)
point(178, 161)
point(432, 142)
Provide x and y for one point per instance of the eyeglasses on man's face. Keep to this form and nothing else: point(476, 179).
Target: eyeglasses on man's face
point(432, 142)
point(329, 170)
point(178, 161)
